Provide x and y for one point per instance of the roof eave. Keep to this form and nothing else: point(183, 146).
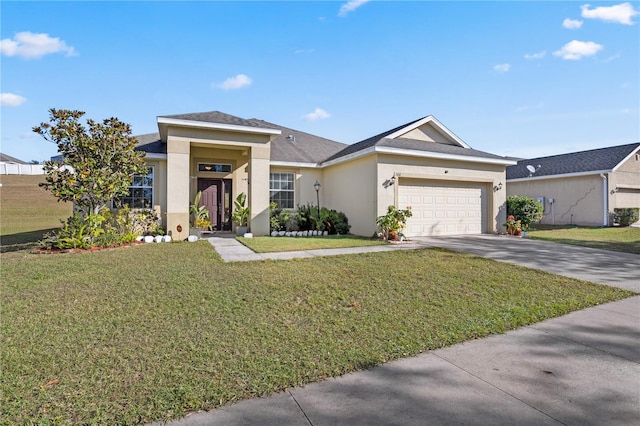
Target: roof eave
point(560, 175)
point(294, 164)
point(429, 119)
point(631, 154)
point(217, 126)
point(442, 156)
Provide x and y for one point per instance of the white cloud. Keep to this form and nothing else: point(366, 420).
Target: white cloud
point(31, 45)
point(318, 114)
point(576, 50)
point(538, 55)
point(11, 99)
point(619, 13)
point(304, 51)
point(502, 68)
point(572, 24)
point(350, 6)
point(237, 82)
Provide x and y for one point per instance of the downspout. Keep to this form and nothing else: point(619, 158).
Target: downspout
point(605, 199)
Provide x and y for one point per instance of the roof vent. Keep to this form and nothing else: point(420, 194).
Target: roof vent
point(291, 138)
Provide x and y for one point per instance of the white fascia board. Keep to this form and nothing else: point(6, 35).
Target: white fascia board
point(294, 164)
point(441, 156)
point(634, 152)
point(217, 126)
point(349, 157)
point(155, 156)
point(425, 120)
point(560, 176)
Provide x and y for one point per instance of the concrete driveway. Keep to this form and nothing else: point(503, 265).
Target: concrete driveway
point(601, 266)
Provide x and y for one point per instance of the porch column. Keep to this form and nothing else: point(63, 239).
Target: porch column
point(178, 185)
point(259, 189)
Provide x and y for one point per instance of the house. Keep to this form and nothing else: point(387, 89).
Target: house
point(580, 188)
point(451, 188)
point(12, 166)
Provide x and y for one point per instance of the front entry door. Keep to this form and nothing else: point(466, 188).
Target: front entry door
point(216, 196)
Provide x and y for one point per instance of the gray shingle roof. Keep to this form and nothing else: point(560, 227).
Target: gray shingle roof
point(440, 148)
point(369, 142)
point(9, 159)
point(600, 159)
point(299, 147)
point(217, 117)
point(151, 143)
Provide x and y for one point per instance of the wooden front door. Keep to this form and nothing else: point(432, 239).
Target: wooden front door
point(216, 197)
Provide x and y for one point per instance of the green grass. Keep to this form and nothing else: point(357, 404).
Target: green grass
point(278, 244)
point(625, 239)
point(154, 331)
point(27, 211)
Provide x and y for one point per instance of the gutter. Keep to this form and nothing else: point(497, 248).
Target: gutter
point(605, 200)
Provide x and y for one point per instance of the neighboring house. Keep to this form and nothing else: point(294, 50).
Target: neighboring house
point(580, 188)
point(7, 159)
point(451, 188)
point(12, 166)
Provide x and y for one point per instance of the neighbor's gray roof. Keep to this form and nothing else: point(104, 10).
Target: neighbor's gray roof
point(301, 147)
point(218, 117)
point(601, 159)
point(9, 159)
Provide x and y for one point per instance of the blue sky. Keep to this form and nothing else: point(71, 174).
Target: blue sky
point(517, 78)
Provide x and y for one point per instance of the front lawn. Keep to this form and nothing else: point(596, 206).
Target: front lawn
point(624, 239)
point(278, 244)
point(154, 331)
point(27, 211)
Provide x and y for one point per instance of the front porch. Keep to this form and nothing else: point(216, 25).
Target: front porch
point(222, 161)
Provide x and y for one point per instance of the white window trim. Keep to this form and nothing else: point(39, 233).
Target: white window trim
point(293, 190)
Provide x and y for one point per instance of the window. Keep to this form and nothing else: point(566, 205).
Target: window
point(281, 189)
point(140, 192)
point(214, 168)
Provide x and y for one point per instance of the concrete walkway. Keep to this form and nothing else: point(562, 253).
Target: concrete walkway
point(579, 369)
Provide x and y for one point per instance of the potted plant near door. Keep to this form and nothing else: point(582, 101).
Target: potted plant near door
point(201, 219)
point(240, 215)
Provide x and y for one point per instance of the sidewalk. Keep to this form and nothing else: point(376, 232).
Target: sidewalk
point(578, 369)
point(230, 250)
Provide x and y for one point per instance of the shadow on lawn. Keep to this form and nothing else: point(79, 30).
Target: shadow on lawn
point(22, 240)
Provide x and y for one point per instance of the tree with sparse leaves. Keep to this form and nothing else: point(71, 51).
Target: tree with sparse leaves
point(98, 161)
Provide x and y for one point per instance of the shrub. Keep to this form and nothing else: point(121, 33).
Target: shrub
point(337, 223)
point(626, 216)
point(306, 218)
point(525, 209)
point(74, 233)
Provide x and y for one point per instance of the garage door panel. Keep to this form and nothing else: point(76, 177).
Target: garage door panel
point(442, 208)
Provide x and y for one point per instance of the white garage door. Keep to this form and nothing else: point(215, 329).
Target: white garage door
point(442, 208)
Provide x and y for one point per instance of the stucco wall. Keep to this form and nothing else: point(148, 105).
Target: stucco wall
point(434, 170)
point(350, 188)
point(627, 176)
point(577, 200)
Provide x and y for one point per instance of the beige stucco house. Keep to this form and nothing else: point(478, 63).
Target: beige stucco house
point(580, 188)
point(451, 188)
